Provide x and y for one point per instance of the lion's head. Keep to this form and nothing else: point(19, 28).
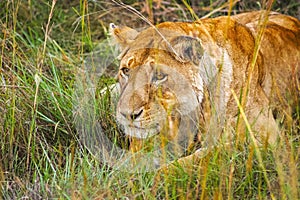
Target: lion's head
point(157, 96)
point(162, 85)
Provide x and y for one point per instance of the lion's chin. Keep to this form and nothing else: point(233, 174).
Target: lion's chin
point(140, 133)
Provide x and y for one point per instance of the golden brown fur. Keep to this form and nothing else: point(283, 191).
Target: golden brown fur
point(177, 79)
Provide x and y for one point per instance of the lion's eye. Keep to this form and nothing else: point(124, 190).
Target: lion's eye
point(159, 77)
point(125, 71)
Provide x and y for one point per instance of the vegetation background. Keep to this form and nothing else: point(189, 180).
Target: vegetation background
point(42, 46)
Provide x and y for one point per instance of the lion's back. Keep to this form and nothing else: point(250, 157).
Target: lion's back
point(280, 50)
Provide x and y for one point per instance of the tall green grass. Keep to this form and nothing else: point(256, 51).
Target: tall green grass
point(42, 48)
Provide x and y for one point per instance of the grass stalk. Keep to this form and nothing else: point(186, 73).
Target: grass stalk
point(245, 90)
point(37, 78)
point(255, 143)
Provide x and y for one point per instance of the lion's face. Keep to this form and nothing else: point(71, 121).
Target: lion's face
point(156, 97)
point(162, 76)
point(161, 88)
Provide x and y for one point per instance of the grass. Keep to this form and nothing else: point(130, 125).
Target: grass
point(42, 50)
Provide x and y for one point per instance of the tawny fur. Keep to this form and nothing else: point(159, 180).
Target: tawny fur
point(254, 55)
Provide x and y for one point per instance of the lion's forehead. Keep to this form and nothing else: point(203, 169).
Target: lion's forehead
point(159, 38)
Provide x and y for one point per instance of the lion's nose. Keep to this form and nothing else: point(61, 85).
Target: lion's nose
point(134, 115)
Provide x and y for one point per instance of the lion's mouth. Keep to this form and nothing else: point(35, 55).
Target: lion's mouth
point(168, 126)
point(141, 132)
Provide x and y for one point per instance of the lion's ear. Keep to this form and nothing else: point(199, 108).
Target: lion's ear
point(122, 35)
point(187, 49)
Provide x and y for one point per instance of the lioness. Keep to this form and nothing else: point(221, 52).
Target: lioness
point(190, 81)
